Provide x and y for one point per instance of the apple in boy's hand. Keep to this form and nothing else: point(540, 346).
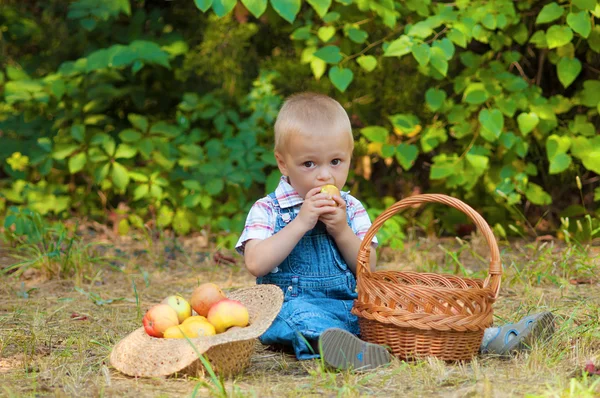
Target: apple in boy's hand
point(227, 313)
point(330, 190)
point(204, 296)
point(158, 319)
point(180, 305)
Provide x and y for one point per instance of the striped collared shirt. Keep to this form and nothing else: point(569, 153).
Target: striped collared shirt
point(260, 223)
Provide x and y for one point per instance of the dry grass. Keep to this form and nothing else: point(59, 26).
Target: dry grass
point(55, 337)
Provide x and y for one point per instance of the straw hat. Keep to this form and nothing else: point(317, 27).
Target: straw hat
point(229, 352)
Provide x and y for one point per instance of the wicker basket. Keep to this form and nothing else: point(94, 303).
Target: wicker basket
point(425, 314)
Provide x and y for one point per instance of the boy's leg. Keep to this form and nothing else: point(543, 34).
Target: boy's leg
point(343, 350)
point(514, 337)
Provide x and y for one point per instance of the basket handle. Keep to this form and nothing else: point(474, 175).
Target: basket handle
point(495, 271)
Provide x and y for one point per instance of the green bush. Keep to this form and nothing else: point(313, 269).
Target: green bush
point(169, 111)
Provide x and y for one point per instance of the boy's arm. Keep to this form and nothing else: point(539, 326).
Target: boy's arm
point(262, 256)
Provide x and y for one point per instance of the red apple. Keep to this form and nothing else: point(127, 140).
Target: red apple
point(205, 296)
point(180, 305)
point(227, 313)
point(158, 319)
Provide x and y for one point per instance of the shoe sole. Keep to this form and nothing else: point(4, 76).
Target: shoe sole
point(543, 328)
point(343, 350)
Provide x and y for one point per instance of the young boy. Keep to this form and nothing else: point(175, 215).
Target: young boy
point(306, 242)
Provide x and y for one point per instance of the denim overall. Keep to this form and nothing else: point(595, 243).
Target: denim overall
point(319, 289)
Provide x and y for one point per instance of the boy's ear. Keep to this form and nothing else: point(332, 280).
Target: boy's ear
point(281, 164)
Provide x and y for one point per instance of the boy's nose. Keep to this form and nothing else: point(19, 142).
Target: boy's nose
point(324, 175)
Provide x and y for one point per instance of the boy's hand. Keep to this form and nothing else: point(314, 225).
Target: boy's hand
point(336, 221)
point(315, 205)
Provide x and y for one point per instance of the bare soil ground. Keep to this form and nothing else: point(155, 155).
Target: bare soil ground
point(56, 335)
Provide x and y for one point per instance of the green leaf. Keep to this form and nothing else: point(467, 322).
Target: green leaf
point(357, 35)
point(329, 54)
point(325, 33)
point(438, 60)
point(138, 121)
point(165, 216)
point(585, 4)
point(527, 122)
point(77, 162)
point(120, 176)
point(549, 13)
point(508, 106)
point(223, 7)
point(287, 9)
point(399, 47)
point(61, 152)
point(560, 163)
point(458, 37)
point(492, 121)
point(341, 77)
point(406, 155)
point(318, 67)
point(375, 133)
point(590, 95)
point(537, 195)
point(435, 98)
point(214, 186)
point(78, 132)
point(404, 122)
point(556, 144)
point(421, 30)
point(320, 6)
point(367, 62)
point(140, 192)
point(181, 223)
point(256, 7)
point(580, 22)
point(478, 162)
point(442, 170)
point(446, 46)
point(130, 135)
point(125, 151)
point(165, 129)
point(594, 39)
point(421, 52)
point(568, 70)
point(558, 35)
point(475, 94)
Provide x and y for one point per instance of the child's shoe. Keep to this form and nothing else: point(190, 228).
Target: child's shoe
point(519, 336)
point(343, 350)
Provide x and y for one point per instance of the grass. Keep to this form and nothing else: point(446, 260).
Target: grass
point(56, 334)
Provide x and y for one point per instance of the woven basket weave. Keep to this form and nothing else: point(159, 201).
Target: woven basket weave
point(426, 314)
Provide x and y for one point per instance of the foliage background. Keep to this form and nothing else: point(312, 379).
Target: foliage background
point(161, 112)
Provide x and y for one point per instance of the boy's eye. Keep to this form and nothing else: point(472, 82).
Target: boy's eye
point(336, 162)
point(308, 164)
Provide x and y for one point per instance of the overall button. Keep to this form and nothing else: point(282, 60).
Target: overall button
point(289, 288)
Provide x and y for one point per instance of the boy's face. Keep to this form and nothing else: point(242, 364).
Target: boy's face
point(311, 162)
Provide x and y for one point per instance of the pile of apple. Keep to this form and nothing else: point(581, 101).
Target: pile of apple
point(173, 319)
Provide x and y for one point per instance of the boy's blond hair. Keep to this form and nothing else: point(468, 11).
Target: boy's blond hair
point(310, 114)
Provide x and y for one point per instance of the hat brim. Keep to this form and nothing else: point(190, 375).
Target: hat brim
point(141, 355)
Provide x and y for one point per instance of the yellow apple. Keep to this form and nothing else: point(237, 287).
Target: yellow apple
point(180, 305)
point(227, 313)
point(198, 328)
point(173, 332)
point(195, 318)
point(330, 190)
